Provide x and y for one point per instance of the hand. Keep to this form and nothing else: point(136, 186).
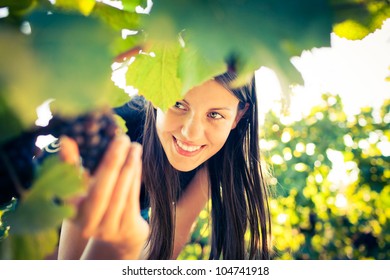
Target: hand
point(110, 211)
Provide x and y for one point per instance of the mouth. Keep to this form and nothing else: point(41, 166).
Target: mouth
point(185, 149)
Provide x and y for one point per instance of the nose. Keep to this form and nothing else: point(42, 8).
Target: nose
point(192, 128)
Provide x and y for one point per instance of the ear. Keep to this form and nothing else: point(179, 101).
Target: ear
point(240, 114)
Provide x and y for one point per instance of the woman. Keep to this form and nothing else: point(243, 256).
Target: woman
point(204, 147)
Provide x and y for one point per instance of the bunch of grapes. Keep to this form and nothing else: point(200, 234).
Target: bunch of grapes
point(92, 132)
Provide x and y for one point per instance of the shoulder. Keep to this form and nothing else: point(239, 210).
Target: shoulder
point(133, 113)
point(132, 109)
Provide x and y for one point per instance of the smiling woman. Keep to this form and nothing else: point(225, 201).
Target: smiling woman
point(204, 147)
point(196, 128)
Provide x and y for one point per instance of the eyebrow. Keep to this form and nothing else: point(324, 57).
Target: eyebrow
point(214, 109)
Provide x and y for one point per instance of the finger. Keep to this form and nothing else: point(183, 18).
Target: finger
point(112, 218)
point(133, 225)
point(69, 151)
point(132, 207)
point(94, 206)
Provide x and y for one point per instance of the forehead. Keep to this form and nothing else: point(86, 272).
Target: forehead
point(211, 93)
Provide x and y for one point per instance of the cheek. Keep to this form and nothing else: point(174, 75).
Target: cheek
point(165, 122)
point(218, 136)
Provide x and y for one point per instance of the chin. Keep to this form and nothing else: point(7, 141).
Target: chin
point(182, 168)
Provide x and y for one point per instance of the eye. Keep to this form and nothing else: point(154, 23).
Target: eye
point(215, 115)
point(179, 105)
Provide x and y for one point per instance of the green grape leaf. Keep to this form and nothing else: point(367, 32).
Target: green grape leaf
point(35, 246)
point(155, 76)
point(119, 98)
point(246, 34)
point(17, 6)
point(39, 210)
point(354, 19)
point(85, 7)
point(117, 18)
point(19, 88)
point(125, 47)
point(200, 68)
point(130, 5)
point(74, 51)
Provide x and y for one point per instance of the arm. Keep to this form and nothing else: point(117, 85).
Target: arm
point(188, 208)
point(72, 244)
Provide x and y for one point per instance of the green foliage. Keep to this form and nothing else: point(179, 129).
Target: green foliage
point(33, 246)
point(355, 19)
point(245, 34)
point(64, 51)
point(40, 207)
point(38, 214)
point(331, 184)
point(66, 61)
point(155, 75)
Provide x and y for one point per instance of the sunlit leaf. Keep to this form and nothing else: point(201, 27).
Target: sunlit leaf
point(155, 76)
point(200, 68)
point(351, 30)
point(85, 7)
point(354, 19)
point(130, 5)
point(117, 18)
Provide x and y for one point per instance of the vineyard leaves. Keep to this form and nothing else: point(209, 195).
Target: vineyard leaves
point(70, 50)
point(201, 68)
point(65, 58)
point(35, 246)
point(39, 209)
point(248, 34)
point(356, 19)
point(154, 74)
point(32, 224)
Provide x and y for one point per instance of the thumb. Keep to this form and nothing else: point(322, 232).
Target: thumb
point(69, 151)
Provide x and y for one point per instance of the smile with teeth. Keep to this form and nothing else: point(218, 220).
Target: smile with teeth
point(187, 148)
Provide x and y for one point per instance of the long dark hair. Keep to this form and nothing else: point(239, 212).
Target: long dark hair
point(239, 197)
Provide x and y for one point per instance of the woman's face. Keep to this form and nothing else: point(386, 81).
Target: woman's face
point(196, 127)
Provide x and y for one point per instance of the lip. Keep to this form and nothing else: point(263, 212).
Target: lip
point(185, 153)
